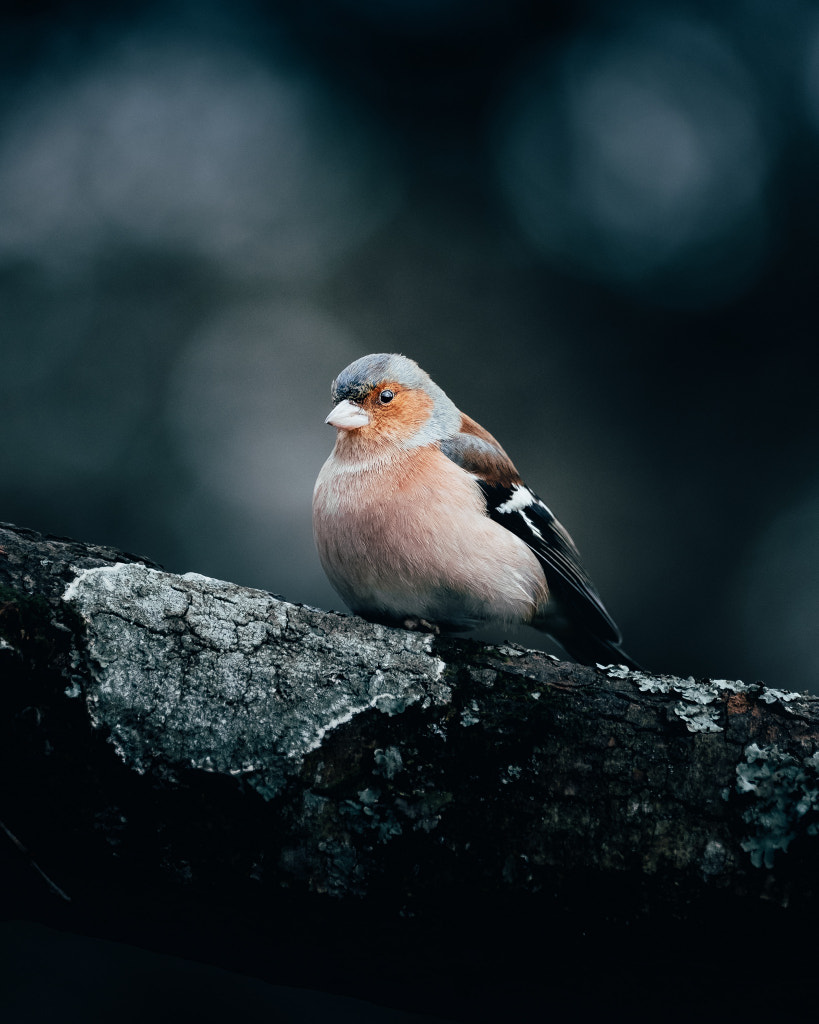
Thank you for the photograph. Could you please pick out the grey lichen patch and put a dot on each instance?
(388, 762)
(370, 814)
(700, 701)
(697, 705)
(509, 651)
(783, 697)
(716, 858)
(193, 671)
(470, 715)
(785, 804)
(616, 671)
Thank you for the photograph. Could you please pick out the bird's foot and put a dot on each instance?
(422, 626)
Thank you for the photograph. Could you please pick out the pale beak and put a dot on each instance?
(348, 416)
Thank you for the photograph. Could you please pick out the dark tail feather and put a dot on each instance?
(589, 649)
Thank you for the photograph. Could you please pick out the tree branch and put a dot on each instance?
(181, 735)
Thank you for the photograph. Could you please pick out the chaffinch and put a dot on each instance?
(421, 520)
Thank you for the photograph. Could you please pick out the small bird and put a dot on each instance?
(421, 520)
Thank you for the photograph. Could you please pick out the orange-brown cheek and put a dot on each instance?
(407, 412)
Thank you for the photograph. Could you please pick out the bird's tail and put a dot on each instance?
(589, 649)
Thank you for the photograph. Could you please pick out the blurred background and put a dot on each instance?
(595, 225)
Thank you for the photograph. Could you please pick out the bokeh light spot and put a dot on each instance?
(195, 148)
(636, 156)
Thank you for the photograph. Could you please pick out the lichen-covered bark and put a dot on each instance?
(384, 755)
(189, 671)
(181, 734)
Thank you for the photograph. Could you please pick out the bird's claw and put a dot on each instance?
(422, 626)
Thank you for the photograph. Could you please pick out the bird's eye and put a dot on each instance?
(386, 396)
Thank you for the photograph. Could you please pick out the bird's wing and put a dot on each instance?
(513, 505)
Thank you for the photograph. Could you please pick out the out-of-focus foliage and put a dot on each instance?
(595, 226)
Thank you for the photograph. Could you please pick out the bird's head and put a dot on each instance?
(387, 399)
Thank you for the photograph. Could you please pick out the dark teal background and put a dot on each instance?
(595, 225)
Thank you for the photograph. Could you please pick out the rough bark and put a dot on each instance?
(183, 748)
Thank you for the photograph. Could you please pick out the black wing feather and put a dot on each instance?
(567, 580)
(576, 615)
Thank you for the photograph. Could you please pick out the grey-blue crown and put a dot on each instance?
(358, 379)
